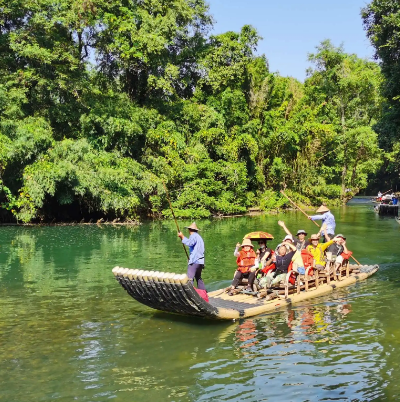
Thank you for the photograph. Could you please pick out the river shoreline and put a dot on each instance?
(250, 212)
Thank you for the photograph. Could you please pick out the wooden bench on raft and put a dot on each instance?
(312, 278)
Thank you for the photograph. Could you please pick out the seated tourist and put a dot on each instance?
(264, 255)
(288, 239)
(246, 265)
(339, 251)
(298, 264)
(318, 249)
(301, 242)
(282, 261)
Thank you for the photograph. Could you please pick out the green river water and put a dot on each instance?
(69, 332)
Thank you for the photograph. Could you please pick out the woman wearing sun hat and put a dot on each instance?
(245, 260)
(301, 243)
(317, 250)
(328, 219)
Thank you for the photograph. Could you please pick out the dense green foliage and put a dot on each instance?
(382, 23)
(101, 102)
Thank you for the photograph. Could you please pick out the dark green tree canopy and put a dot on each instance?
(101, 102)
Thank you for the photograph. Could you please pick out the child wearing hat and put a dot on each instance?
(245, 260)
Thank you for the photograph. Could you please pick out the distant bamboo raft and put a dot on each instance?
(174, 293)
(386, 209)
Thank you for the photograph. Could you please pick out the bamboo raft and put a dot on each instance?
(174, 293)
(386, 209)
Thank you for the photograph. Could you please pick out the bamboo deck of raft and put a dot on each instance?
(175, 294)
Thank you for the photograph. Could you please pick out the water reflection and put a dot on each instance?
(69, 332)
(305, 353)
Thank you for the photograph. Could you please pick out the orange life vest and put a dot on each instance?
(270, 268)
(308, 260)
(245, 260)
(346, 256)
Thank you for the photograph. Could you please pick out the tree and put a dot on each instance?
(349, 89)
(151, 47)
(382, 23)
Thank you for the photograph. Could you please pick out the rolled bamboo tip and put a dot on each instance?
(120, 270)
(139, 274)
(130, 273)
(134, 273)
(126, 272)
(184, 279)
(176, 278)
(115, 270)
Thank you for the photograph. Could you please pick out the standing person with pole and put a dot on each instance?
(328, 219)
(196, 258)
(309, 217)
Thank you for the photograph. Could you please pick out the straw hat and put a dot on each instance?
(340, 235)
(193, 226)
(247, 242)
(314, 237)
(322, 209)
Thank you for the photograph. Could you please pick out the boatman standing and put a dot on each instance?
(196, 258)
(328, 220)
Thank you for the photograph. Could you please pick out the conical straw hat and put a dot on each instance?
(193, 226)
(247, 242)
(322, 209)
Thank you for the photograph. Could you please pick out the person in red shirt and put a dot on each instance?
(245, 260)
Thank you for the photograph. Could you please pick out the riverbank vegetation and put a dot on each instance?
(102, 102)
(382, 24)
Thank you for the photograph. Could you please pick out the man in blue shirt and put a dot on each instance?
(328, 220)
(196, 258)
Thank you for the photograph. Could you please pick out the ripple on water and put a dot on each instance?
(69, 332)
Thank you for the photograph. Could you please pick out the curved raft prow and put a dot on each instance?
(164, 291)
(174, 293)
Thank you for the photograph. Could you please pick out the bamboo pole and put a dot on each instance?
(292, 202)
(173, 214)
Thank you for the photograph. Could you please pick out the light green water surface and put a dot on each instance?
(69, 332)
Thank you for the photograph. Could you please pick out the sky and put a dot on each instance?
(291, 29)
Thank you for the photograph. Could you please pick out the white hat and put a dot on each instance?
(288, 237)
(247, 242)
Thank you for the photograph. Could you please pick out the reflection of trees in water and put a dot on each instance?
(54, 257)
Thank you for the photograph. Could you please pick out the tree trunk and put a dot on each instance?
(344, 174)
(344, 171)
